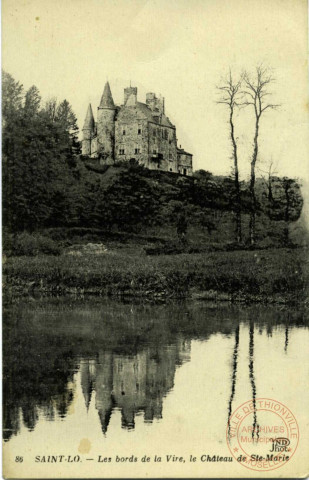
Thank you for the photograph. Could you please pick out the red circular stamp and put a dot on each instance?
(262, 434)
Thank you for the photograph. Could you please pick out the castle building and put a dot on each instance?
(134, 130)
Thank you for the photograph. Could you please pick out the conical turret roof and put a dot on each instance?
(86, 382)
(107, 99)
(89, 120)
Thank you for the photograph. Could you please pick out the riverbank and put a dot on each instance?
(263, 276)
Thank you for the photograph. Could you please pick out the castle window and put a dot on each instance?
(121, 151)
(139, 131)
(137, 150)
(170, 142)
(154, 151)
(123, 132)
(154, 132)
(170, 156)
(171, 169)
(166, 135)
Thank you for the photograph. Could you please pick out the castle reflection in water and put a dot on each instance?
(121, 357)
(132, 384)
(44, 385)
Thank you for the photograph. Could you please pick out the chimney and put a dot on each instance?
(154, 103)
(130, 96)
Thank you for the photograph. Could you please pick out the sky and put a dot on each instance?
(181, 49)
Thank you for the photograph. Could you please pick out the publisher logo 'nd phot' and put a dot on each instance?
(262, 434)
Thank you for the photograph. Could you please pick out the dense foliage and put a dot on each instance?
(47, 183)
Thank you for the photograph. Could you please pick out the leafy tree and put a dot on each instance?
(50, 108)
(12, 97)
(129, 202)
(182, 226)
(68, 121)
(32, 102)
(286, 203)
(35, 170)
(36, 150)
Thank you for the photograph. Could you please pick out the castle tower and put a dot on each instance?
(88, 131)
(106, 125)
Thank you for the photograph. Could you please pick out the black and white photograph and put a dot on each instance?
(155, 239)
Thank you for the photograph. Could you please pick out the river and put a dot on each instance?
(93, 377)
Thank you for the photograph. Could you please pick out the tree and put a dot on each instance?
(36, 173)
(129, 203)
(36, 153)
(67, 119)
(255, 93)
(12, 97)
(32, 102)
(287, 203)
(50, 108)
(268, 176)
(182, 226)
(230, 96)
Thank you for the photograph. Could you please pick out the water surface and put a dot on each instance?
(132, 378)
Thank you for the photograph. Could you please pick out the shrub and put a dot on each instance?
(33, 244)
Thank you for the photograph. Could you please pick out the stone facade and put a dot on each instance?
(134, 130)
(184, 162)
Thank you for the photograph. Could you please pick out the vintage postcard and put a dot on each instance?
(155, 239)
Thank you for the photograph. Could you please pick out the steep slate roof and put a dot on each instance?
(154, 117)
(89, 120)
(107, 98)
(166, 121)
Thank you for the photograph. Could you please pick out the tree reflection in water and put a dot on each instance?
(234, 373)
(255, 426)
(126, 353)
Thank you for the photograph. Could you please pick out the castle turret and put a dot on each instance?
(88, 131)
(86, 382)
(106, 125)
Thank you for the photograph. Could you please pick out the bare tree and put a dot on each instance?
(255, 92)
(230, 96)
(267, 175)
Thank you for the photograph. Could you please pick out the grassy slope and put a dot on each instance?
(264, 275)
(268, 233)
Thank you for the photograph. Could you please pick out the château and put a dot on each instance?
(134, 130)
